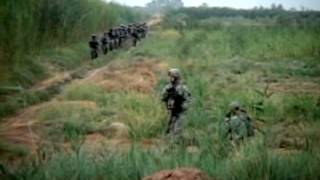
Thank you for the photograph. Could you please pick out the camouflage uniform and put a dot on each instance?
(94, 46)
(105, 43)
(177, 98)
(238, 124)
(112, 38)
(123, 34)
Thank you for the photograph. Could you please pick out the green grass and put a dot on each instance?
(42, 24)
(219, 66)
(256, 163)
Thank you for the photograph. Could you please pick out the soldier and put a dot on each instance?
(105, 43)
(116, 35)
(238, 124)
(144, 27)
(94, 46)
(111, 39)
(123, 34)
(135, 35)
(177, 97)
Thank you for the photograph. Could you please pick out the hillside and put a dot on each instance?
(110, 123)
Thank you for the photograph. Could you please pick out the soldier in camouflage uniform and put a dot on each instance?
(105, 43)
(94, 46)
(177, 97)
(112, 39)
(238, 124)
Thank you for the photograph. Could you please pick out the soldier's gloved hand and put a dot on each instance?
(170, 104)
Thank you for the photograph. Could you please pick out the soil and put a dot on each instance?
(179, 174)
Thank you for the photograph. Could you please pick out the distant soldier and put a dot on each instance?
(111, 38)
(135, 35)
(238, 124)
(123, 34)
(94, 46)
(105, 43)
(177, 97)
(116, 36)
(144, 28)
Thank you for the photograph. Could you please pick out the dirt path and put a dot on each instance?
(25, 127)
(22, 128)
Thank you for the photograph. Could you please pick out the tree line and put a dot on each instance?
(276, 13)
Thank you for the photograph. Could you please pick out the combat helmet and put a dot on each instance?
(174, 72)
(235, 105)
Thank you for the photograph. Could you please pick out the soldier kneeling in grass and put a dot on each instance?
(238, 124)
(177, 97)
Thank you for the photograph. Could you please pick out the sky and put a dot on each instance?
(244, 4)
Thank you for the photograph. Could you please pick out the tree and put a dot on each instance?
(204, 5)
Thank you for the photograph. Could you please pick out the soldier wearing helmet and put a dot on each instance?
(177, 97)
(238, 123)
(94, 46)
(105, 43)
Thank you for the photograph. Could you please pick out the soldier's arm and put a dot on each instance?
(187, 98)
(165, 94)
(226, 129)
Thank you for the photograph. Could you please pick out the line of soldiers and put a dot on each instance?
(115, 38)
(237, 124)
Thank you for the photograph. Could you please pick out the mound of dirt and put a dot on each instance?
(296, 87)
(94, 143)
(115, 137)
(148, 144)
(179, 174)
(97, 143)
(24, 128)
(117, 130)
(291, 85)
(138, 77)
(288, 136)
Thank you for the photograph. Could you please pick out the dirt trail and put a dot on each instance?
(67, 76)
(55, 80)
(25, 128)
(22, 128)
(138, 76)
(156, 20)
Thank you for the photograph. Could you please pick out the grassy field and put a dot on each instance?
(274, 72)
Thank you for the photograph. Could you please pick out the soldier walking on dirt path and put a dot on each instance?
(105, 43)
(94, 46)
(177, 98)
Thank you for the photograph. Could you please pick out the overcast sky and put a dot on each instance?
(309, 4)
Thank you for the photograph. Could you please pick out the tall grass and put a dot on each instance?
(219, 66)
(32, 25)
(256, 163)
